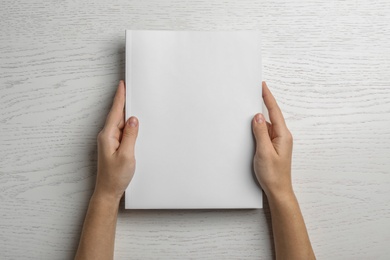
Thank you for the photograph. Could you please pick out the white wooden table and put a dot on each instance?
(327, 62)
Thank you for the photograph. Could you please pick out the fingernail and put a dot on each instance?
(132, 122)
(259, 118)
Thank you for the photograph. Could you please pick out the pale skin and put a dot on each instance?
(272, 165)
(116, 167)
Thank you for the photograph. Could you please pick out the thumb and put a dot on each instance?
(260, 131)
(129, 136)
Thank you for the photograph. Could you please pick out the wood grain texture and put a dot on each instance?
(327, 62)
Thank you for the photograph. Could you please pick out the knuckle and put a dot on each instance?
(128, 157)
(100, 136)
(261, 133)
(289, 137)
(263, 130)
(128, 134)
(258, 156)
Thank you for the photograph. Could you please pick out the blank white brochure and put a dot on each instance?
(195, 94)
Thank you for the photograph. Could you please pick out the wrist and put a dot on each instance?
(280, 195)
(105, 198)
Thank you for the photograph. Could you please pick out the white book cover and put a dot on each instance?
(195, 94)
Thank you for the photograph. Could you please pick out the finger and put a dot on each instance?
(275, 114)
(116, 116)
(260, 131)
(269, 127)
(129, 136)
